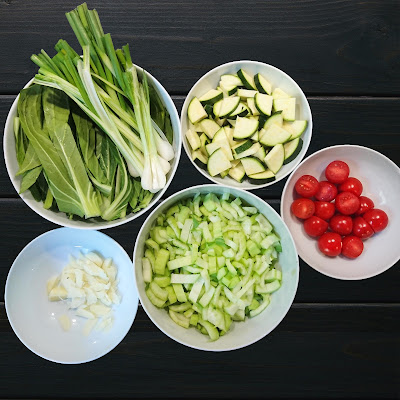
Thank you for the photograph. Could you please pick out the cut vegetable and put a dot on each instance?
(218, 162)
(244, 128)
(296, 128)
(262, 85)
(263, 103)
(274, 135)
(226, 106)
(211, 97)
(196, 111)
(262, 177)
(193, 139)
(292, 149)
(247, 79)
(252, 165)
(287, 106)
(274, 159)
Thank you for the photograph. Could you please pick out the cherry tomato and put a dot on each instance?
(347, 203)
(341, 224)
(315, 226)
(303, 208)
(326, 192)
(361, 228)
(352, 246)
(365, 204)
(377, 219)
(306, 186)
(330, 243)
(324, 210)
(352, 185)
(337, 172)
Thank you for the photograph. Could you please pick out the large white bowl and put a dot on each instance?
(61, 218)
(34, 318)
(381, 181)
(277, 78)
(242, 333)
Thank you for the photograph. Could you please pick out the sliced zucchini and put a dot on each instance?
(193, 139)
(252, 106)
(197, 128)
(235, 163)
(274, 159)
(220, 135)
(220, 140)
(243, 147)
(245, 93)
(232, 80)
(203, 140)
(196, 111)
(224, 173)
(296, 128)
(252, 165)
(279, 94)
(220, 121)
(228, 90)
(229, 135)
(262, 177)
(209, 127)
(212, 147)
(262, 85)
(249, 152)
(263, 103)
(244, 128)
(232, 122)
(262, 119)
(237, 173)
(273, 135)
(261, 153)
(276, 119)
(199, 158)
(226, 106)
(246, 79)
(218, 162)
(255, 136)
(288, 108)
(292, 149)
(208, 108)
(241, 111)
(211, 97)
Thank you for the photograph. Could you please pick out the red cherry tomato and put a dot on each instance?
(326, 192)
(306, 186)
(347, 203)
(341, 224)
(352, 185)
(324, 210)
(365, 204)
(315, 226)
(377, 219)
(337, 172)
(361, 228)
(352, 246)
(303, 208)
(330, 243)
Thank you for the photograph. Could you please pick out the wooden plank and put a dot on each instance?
(19, 225)
(337, 47)
(337, 120)
(317, 352)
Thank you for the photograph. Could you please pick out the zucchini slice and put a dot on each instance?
(203, 140)
(229, 90)
(218, 162)
(274, 119)
(274, 135)
(262, 177)
(209, 127)
(246, 79)
(263, 103)
(208, 108)
(252, 165)
(193, 139)
(196, 111)
(261, 153)
(232, 80)
(274, 159)
(246, 93)
(243, 147)
(226, 106)
(296, 128)
(279, 94)
(211, 97)
(241, 111)
(262, 85)
(245, 128)
(292, 149)
(252, 106)
(224, 173)
(229, 135)
(199, 158)
(288, 108)
(249, 152)
(237, 173)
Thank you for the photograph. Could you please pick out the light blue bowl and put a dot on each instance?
(242, 333)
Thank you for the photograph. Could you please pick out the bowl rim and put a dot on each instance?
(285, 188)
(6, 295)
(189, 95)
(219, 188)
(97, 225)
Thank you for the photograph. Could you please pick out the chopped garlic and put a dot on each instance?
(89, 286)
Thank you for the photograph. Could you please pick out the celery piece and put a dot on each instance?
(180, 293)
(181, 307)
(179, 319)
(171, 295)
(154, 299)
(162, 258)
(159, 292)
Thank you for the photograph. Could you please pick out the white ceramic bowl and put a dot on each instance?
(242, 333)
(34, 318)
(277, 78)
(61, 218)
(381, 181)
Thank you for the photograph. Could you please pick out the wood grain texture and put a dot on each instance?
(20, 225)
(336, 120)
(335, 46)
(346, 351)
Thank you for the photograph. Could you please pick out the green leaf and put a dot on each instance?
(31, 160)
(30, 178)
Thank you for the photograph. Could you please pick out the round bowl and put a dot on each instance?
(277, 78)
(381, 181)
(34, 318)
(241, 334)
(61, 218)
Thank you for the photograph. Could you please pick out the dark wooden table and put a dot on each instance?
(340, 339)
